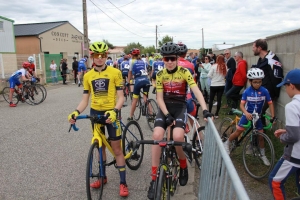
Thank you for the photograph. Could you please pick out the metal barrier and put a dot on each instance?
(218, 177)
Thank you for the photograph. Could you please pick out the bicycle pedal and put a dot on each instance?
(135, 157)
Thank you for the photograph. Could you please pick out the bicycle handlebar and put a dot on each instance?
(265, 127)
(102, 118)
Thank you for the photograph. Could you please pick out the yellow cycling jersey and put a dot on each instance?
(174, 85)
(102, 86)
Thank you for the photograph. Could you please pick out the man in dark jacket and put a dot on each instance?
(75, 69)
(231, 66)
(269, 63)
(238, 81)
(64, 67)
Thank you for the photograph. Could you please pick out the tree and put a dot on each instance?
(110, 45)
(148, 50)
(133, 45)
(165, 39)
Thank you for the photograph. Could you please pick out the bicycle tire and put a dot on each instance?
(5, 94)
(174, 174)
(35, 96)
(160, 183)
(138, 110)
(150, 117)
(132, 132)
(253, 164)
(91, 167)
(195, 143)
(44, 90)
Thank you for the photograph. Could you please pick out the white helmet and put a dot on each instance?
(30, 59)
(255, 73)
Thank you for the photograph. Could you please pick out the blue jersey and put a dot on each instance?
(124, 67)
(120, 60)
(157, 66)
(17, 74)
(109, 63)
(138, 68)
(255, 99)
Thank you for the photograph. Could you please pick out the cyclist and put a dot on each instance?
(158, 65)
(81, 68)
(31, 68)
(171, 84)
(14, 80)
(120, 60)
(252, 101)
(124, 67)
(104, 84)
(138, 69)
(109, 61)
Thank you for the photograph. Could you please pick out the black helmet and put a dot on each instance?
(74, 57)
(182, 48)
(169, 48)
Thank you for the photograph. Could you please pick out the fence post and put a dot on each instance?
(2, 67)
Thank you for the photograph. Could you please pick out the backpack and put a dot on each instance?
(276, 66)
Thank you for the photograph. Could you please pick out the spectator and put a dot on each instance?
(239, 80)
(231, 67)
(64, 68)
(53, 67)
(204, 68)
(217, 74)
(289, 163)
(269, 63)
(75, 69)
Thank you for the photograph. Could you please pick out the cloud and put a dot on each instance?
(227, 21)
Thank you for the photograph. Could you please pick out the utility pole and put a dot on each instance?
(85, 30)
(155, 38)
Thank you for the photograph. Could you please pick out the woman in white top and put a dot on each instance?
(204, 69)
(217, 74)
(53, 67)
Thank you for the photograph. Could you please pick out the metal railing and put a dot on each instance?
(218, 177)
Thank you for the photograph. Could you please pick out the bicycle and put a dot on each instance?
(127, 92)
(94, 169)
(251, 151)
(167, 172)
(148, 109)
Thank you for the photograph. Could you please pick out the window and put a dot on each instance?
(1, 26)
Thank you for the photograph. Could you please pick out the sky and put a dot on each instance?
(124, 21)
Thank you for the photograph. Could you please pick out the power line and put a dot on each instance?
(98, 22)
(116, 22)
(126, 14)
(123, 5)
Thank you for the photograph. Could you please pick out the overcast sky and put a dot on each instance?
(230, 21)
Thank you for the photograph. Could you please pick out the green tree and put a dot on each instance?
(110, 45)
(133, 45)
(149, 49)
(165, 39)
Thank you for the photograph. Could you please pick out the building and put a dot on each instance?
(7, 37)
(217, 47)
(48, 38)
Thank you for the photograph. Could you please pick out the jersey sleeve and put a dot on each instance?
(86, 85)
(159, 83)
(188, 77)
(268, 97)
(119, 80)
(244, 96)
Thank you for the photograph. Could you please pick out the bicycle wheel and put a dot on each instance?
(93, 173)
(197, 144)
(138, 110)
(132, 133)
(174, 174)
(161, 185)
(254, 162)
(44, 90)
(151, 112)
(5, 94)
(34, 93)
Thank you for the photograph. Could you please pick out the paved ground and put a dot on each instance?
(41, 160)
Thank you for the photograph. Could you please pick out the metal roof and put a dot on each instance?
(36, 28)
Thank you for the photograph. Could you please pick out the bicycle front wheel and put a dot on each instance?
(34, 94)
(227, 127)
(197, 144)
(258, 155)
(5, 94)
(44, 91)
(151, 112)
(161, 189)
(93, 173)
(132, 133)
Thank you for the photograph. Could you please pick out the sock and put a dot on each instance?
(262, 151)
(153, 174)
(104, 168)
(122, 172)
(182, 163)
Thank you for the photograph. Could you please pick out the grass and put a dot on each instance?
(290, 186)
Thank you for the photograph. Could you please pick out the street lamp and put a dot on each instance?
(156, 37)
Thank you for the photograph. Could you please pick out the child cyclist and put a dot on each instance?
(289, 163)
(252, 101)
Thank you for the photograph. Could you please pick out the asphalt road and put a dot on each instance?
(39, 159)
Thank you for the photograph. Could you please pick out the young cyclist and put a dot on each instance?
(31, 68)
(171, 84)
(104, 84)
(158, 65)
(124, 67)
(14, 80)
(81, 68)
(138, 69)
(109, 61)
(252, 101)
(289, 163)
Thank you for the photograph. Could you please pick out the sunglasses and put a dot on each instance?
(99, 55)
(166, 59)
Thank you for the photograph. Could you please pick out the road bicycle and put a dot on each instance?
(95, 164)
(252, 150)
(30, 94)
(127, 92)
(168, 169)
(148, 109)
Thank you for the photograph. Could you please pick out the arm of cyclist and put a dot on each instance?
(201, 101)
(272, 111)
(243, 109)
(23, 78)
(113, 113)
(161, 103)
(80, 108)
